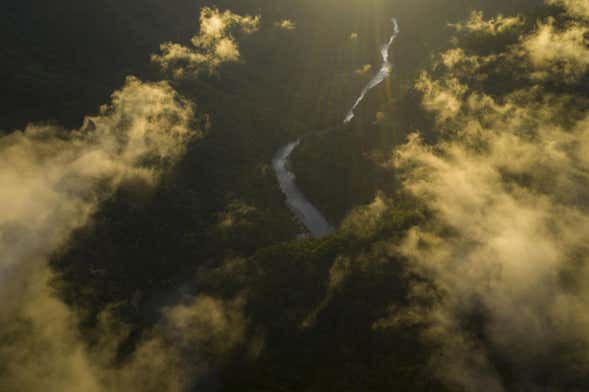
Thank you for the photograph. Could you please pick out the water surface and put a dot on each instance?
(305, 211)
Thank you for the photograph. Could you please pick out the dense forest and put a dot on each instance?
(203, 279)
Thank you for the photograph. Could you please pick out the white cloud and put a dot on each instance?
(51, 180)
(286, 24)
(214, 45)
(579, 8)
(493, 26)
(558, 52)
(503, 258)
(442, 97)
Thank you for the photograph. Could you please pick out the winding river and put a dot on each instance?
(305, 211)
(309, 215)
(381, 75)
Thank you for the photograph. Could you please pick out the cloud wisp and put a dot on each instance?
(494, 26)
(381, 75)
(286, 24)
(558, 52)
(215, 44)
(52, 180)
(503, 260)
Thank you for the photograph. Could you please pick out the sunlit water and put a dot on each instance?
(307, 213)
(315, 223)
(381, 75)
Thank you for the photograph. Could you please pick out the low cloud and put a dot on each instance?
(502, 261)
(443, 97)
(286, 24)
(559, 52)
(43, 350)
(551, 51)
(494, 26)
(364, 221)
(463, 64)
(577, 8)
(338, 274)
(52, 180)
(508, 225)
(214, 45)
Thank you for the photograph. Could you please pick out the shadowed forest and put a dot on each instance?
(145, 244)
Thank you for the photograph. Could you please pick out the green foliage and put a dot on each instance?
(218, 224)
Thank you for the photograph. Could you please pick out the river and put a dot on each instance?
(306, 212)
(309, 215)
